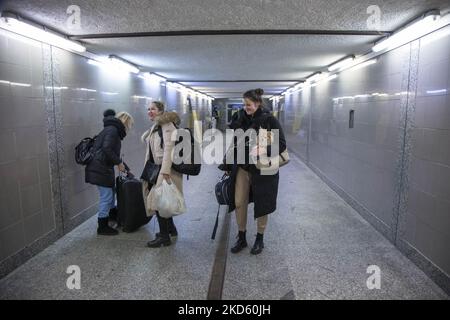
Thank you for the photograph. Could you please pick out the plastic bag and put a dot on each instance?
(167, 199)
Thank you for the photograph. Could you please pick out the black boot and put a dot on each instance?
(259, 244)
(172, 229)
(241, 243)
(104, 229)
(113, 214)
(162, 238)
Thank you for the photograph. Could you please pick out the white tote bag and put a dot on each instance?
(167, 199)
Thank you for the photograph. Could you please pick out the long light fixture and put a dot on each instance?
(363, 64)
(341, 63)
(122, 64)
(157, 77)
(152, 77)
(14, 23)
(428, 23)
(316, 76)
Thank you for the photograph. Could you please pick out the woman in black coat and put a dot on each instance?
(249, 184)
(100, 171)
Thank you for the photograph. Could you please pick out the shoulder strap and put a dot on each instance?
(160, 133)
(267, 120)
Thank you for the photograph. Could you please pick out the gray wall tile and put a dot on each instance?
(33, 228)
(7, 141)
(12, 240)
(10, 210)
(31, 200)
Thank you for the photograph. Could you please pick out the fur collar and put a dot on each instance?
(168, 117)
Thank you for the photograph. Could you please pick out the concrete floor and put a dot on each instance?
(317, 247)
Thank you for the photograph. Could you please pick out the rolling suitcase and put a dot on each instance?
(131, 213)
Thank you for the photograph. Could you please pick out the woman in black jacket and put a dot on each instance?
(100, 171)
(249, 184)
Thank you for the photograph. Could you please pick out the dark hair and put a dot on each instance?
(109, 112)
(159, 105)
(254, 95)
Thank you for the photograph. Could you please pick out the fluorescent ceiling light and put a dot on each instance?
(122, 64)
(334, 76)
(152, 77)
(159, 78)
(364, 64)
(15, 24)
(314, 77)
(105, 64)
(341, 63)
(415, 30)
(319, 76)
(96, 63)
(321, 80)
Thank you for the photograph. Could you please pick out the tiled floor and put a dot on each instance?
(317, 247)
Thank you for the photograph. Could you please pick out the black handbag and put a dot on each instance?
(223, 190)
(223, 196)
(151, 170)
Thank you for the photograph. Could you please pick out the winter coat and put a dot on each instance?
(161, 152)
(100, 171)
(264, 188)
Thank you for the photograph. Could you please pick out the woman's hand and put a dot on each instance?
(167, 178)
(121, 167)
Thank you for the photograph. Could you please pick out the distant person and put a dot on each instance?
(100, 171)
(159, 147)
(247, 177)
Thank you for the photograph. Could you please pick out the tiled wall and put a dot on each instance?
(296, 121)
(26, 209)
(361, 160)
(426, 224)
(61, 100)
(393, 166)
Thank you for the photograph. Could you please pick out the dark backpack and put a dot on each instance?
(191, 168)
(84, 152)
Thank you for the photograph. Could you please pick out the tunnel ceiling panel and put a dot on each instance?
(113, 16)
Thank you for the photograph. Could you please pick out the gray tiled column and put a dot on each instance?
(54, 136)
(409, 85)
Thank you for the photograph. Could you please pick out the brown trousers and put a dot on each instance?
(241, 198)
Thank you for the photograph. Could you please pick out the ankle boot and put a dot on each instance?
(104, 229)
(162, 238)
(113, 214)
(172, 229)
(259, 244)
(241, 243)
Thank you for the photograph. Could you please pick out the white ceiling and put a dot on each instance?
(226, 57)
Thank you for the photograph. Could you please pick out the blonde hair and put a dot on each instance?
(126, 119)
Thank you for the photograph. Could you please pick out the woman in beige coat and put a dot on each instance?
(158, 141)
